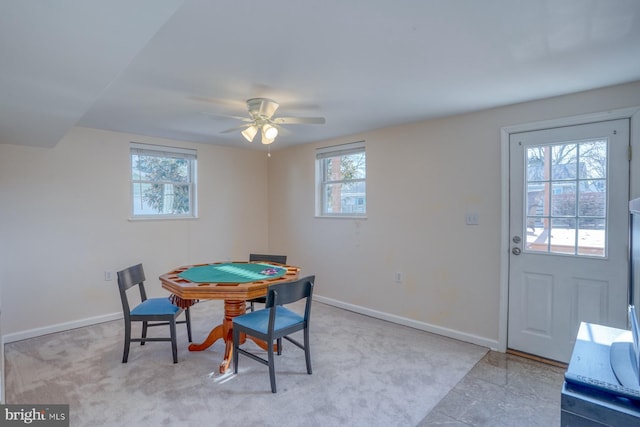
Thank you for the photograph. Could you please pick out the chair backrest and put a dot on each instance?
(286, 293)
(128, 278)
(280, 259)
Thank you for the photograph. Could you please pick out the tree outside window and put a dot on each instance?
(162, 182)
(342, 180)
(567, 198)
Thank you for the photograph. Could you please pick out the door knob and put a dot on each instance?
(516, 251)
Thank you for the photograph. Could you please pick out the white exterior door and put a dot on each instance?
(568, 192)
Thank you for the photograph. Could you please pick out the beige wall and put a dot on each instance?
(64, 221)
(422, 179)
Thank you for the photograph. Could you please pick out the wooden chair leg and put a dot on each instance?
(236, 340)
(144, 332)
(307, 350)
(174, 342)
(127, 342)
(272, 368)
(187, 315)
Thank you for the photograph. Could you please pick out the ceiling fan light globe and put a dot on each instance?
(268, 136)
(250, 133)
(270, 132)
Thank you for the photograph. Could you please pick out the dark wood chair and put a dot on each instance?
(150, 311)
(278, 259)
(275, 322)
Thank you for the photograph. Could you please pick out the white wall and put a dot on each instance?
(422, 179)
(64, 221)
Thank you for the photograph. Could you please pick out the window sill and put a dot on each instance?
(177, 218)
(340, 217)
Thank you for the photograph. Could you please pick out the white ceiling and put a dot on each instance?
(155, 67)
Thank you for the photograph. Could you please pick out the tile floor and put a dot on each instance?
(502, 390)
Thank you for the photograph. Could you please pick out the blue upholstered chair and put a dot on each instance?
(151, 312)
(275, 322)
(278, 259)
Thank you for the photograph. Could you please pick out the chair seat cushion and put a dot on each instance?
(155, 306)
(259, 320)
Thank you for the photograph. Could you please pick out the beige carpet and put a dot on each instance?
(366, 372)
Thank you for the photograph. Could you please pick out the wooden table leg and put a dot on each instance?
(224, 331)
(215, 334)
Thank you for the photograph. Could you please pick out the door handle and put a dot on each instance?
(516, 251)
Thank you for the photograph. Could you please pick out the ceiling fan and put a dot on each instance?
(261, 111)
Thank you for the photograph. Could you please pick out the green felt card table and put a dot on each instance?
(233, 282)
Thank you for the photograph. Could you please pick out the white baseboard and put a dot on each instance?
(60, 327)
(450, 333)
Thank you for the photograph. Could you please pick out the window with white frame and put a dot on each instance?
(163, 181)
(341, 174)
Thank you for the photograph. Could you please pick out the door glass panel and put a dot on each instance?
(567, 198)
(593, 194)
(537, 167)
(563, 198)
(590, 236)
(563, 161)
(593, 160)
(562, 237)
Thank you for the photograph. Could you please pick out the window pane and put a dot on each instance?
(591, 234)
(563, 198)
(152, 168)
(350, 166)
(535, 199)
(136, 172)
(593, 160)
(535, 206)
(160, 199)
(564, 164)
(563, 236)
(341, 180)
(566, 210)
(346, 198)
(162, 182)
(593, 198)
(537, 235)
(537, 168)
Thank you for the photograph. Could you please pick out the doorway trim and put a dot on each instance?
(632, 113)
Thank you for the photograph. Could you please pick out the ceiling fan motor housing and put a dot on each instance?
(262, 108)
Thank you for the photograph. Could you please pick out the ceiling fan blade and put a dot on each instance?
(281, 130)
(226, 103)
(226, 116)
(237, 128)
(299, 120)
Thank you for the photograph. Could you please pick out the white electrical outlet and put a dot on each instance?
(107, 276)
(473, 218)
